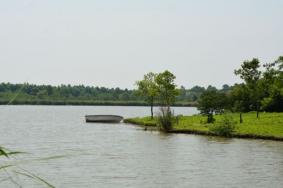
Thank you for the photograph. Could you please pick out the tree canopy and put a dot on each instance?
(159, 86)
(212, 102)
(148, 89)
(166, 87)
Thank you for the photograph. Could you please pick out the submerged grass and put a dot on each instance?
(267, 126)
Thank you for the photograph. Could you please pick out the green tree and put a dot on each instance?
(148, 89)
(272, 84)
(167, 89)
(251, 74)
(41, 94)
(182, 94)
(211, 102)
(226, 88)
(240, 99)
(167, 92)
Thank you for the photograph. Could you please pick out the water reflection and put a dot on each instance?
(217, 139)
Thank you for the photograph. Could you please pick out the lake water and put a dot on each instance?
(120, 155)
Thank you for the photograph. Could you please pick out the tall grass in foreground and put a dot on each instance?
(12, 171)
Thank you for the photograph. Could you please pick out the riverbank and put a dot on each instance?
(268, 126)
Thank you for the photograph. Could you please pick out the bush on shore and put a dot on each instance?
(225, 127)
(165, 119)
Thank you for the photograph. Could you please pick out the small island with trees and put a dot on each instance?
(252, 109)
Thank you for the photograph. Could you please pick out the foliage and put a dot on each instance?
(273, 86)
(82, 95)
(148, 89)
(17, 171)
(158, 85)
(240, 98)
(212, 102)
(262, 90)
(166, 88)
(251, 74)
(225, 127)
(165, 119)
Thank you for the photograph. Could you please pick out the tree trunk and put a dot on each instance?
(241, 118)
(257, 110)
(151, 109)
(210, 118)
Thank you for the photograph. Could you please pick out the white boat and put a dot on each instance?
(103, 118)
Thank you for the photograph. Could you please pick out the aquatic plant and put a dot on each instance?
(12, 170)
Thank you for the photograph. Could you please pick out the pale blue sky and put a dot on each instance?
(113, 43)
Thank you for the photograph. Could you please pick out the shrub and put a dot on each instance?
(226, 127)
(165, 119)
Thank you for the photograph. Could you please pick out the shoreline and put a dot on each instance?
(195, 131)
(244, 136)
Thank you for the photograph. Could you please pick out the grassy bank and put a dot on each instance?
(268, 126)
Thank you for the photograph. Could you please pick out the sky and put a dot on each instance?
(114, 43)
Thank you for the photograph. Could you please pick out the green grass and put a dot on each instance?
(268, 126)
(146, 121)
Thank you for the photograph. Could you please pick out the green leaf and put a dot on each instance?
(3, 152)
(6, 166)
(35, 177)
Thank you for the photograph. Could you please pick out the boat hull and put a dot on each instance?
(103, 118)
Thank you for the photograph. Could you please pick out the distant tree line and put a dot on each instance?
(88, 95)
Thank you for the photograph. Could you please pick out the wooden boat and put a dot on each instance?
(103, 118)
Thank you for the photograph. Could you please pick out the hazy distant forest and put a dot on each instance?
(87, 95)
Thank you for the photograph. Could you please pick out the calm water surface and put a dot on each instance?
(120, 155)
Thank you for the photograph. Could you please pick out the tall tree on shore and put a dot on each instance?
(167, 93)
(240, 99)
(148, 89)
(251, 74)
(166, 88)
(272, 82)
